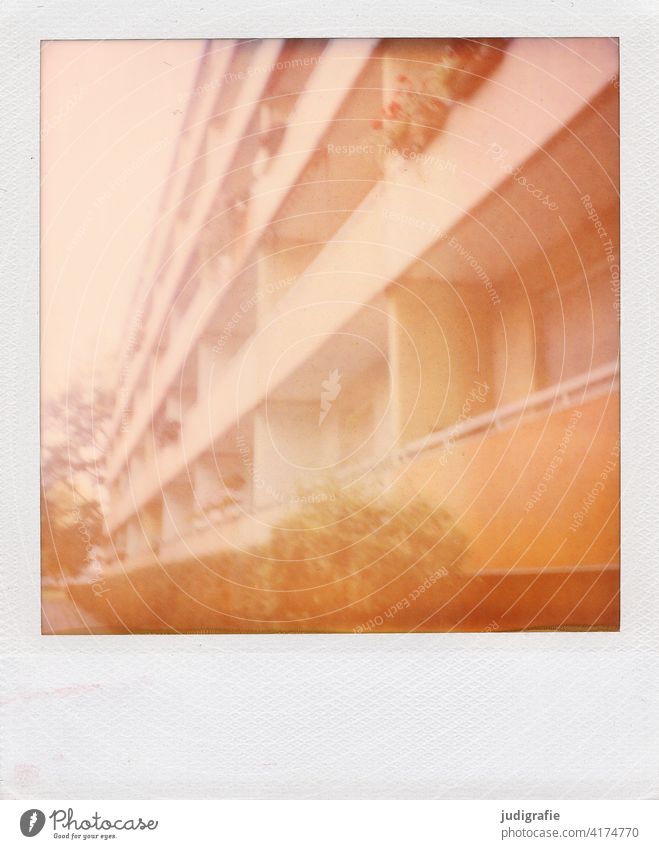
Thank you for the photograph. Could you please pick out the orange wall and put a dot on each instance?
(516, 492)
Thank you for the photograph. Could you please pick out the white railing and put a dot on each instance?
(573, 392)
(569, 393)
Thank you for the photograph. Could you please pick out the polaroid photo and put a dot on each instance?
(330, 335)
(324, 479)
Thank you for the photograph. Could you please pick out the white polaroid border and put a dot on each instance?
(532, 715)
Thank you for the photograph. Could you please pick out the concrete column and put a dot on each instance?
(134, 538)
(515, 350)
(151, 518)
(176, 513)
(282, 450)
(206, 480)
(438, 354)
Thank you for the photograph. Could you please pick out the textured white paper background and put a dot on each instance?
(492, 715)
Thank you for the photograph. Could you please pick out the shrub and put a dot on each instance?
(344, 559)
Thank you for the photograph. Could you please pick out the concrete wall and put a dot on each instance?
(544, 492)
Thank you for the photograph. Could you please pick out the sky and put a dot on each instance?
(111, 115)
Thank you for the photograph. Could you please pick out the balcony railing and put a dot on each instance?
(569, 393)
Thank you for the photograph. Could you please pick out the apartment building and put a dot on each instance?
(389, 258)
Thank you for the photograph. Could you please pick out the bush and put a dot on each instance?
(344, 560)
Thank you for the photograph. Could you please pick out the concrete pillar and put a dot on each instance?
(438, 354)
(284, 447)
(515, 350)
(134, 540)
(177, 511)
(142, 532)
(151, 518)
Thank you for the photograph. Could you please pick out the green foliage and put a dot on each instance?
(332, 564)
(74, 433)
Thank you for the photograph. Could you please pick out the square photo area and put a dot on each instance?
(330, 336)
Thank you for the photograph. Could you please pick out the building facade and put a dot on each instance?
(391, 258)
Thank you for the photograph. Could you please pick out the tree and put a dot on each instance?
(74, 436)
